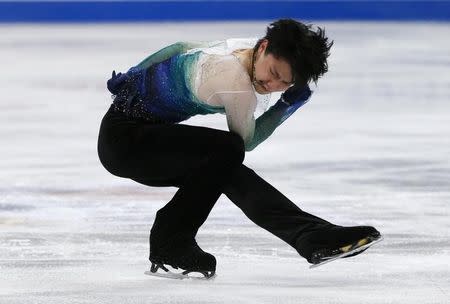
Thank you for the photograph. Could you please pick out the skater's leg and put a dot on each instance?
(208, 159)
(196, 159)
(269, 208)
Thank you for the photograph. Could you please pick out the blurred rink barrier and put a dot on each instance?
(211, 10)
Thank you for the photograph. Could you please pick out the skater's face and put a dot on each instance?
(271, 74)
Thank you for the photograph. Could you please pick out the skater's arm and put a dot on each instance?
(239, 100)
(240, 108)
(167, 52)
(116, 82)
(240, 119)
(224, 82)
(267, 123)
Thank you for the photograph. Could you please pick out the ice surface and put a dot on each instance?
(372, 147)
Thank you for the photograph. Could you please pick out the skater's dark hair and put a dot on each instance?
(304, 49)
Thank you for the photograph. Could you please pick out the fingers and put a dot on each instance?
(116, 81)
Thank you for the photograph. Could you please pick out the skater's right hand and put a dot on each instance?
(115, 83)
(296, 94)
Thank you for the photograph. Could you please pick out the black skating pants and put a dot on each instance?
(202, 163)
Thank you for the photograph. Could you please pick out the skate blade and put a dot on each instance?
(364, 245)
(177, 274)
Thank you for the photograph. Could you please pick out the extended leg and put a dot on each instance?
(312, 237)
(269, 208)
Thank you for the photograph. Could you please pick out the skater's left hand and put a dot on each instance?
(296, 94)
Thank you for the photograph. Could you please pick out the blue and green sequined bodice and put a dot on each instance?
(163, 91)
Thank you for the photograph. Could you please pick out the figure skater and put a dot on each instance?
(142, 138)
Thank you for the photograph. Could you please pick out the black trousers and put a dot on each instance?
(203, 163)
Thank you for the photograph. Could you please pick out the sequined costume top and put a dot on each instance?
(187, 79)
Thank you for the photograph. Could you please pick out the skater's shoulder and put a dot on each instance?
(225, 72)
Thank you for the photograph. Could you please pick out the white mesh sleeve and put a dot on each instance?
(239, 109)
(223, 81)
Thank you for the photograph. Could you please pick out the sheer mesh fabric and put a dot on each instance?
(221, 80)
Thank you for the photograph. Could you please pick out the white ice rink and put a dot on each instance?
(372, 147)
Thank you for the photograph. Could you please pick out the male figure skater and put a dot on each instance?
(142, 138)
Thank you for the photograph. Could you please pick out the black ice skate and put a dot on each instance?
(336, 242)
(180, 258)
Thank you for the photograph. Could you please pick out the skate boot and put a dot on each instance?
(335, 242)
(180, 257)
